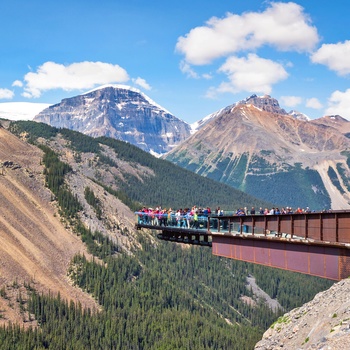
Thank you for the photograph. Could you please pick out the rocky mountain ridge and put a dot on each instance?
(265, 103)
(255, 146)
(119, 112)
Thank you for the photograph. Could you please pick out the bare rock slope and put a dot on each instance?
(323, 323)
(35, 247)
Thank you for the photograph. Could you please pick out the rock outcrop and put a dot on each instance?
(323, 323)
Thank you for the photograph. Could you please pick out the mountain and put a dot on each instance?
(67, 235)
(262, 102)
(259, 148)
(120, 112)
(337, 122)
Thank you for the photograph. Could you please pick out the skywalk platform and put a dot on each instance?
(312, 243)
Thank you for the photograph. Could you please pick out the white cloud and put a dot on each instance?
(251, 74)
(142, 82)
(17, 83)
(191, 73)
(334, 56)
(339, 104)
(291, 101)
(186, 69)
(6, 94)
(282, 25)
(314, 103)
(80, 76)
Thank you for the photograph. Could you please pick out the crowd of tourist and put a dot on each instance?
(272, 211)
(187, 217)
(195, 217)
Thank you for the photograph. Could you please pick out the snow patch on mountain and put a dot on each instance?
(200, 123)
(126, 87)
(299, 115)
(120, 112)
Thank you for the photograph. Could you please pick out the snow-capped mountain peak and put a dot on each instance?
(120, 112)
(130, 88)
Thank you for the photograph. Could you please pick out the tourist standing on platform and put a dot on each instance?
(195, 220)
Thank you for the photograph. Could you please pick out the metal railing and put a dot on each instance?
(328, 227)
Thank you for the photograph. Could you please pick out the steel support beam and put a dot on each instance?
(323, 260)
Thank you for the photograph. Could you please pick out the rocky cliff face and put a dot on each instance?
(35, 246)
(257, 147)
(119, 112)
(323, 323)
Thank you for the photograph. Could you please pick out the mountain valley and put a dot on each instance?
(67, 229)
(118, 271)
(253, 145)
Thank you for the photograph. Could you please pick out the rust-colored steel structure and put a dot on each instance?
(317, 244)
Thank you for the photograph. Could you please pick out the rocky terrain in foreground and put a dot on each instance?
(323, 323)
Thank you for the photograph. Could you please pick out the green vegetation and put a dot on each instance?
(93, 201)
(151, 297)
(32, 130)
(259, 166)
(55, 170)
(343, 174)
(237, 176)
(301, 188)
(171, 185)
(277, 284)
(306, 340)
(335, 180)
(281, 320)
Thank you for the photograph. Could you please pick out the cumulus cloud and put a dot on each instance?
(314, 103)
(6, 94)
(251, 74)
(142, 83)
(81, 75)
(334, 56)
(284, 26)
(339, 104)
(291, 101)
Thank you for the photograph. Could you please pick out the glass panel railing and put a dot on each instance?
(173, 220)
(219, 224)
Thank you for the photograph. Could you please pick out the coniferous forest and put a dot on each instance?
(161, 295)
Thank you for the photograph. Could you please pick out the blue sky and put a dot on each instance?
(191, 57)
